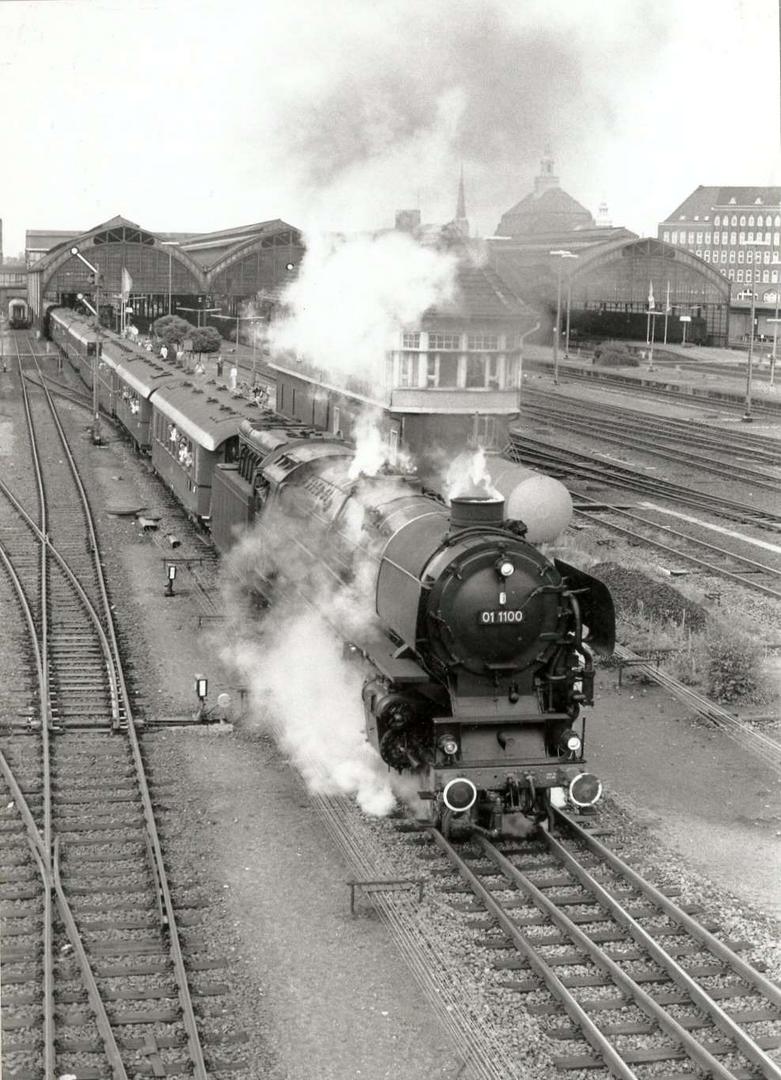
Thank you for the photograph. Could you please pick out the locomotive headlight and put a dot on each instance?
(505, 568)
(570, 743)
(448, 744)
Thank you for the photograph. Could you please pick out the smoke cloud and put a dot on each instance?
(407, 93)
(350, 300)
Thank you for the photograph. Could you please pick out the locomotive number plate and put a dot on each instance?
(499, 617)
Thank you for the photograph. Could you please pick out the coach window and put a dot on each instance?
(741, 255)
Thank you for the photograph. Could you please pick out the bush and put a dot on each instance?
(615, 354)
(172, 329)
(733, 669)
(206, 339)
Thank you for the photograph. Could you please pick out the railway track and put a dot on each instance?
(95, 980)
(590, 467)
(733, 401)
(756, 741)
(681, 546)
(671, 440)
(623, 979)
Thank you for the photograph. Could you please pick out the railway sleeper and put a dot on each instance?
(651, 1054)
(691, 1023)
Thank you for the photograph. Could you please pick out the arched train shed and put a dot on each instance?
(607, 286)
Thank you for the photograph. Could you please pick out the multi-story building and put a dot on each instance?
(738, 231)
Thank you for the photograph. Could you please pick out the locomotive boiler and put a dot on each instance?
(479, 649)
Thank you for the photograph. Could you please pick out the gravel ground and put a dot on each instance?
(320, 992)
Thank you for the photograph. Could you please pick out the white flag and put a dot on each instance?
(651, 304)
(127, 285)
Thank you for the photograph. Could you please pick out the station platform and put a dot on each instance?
(702, 373)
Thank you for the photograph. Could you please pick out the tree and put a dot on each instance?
(205, 339)
(172, 329)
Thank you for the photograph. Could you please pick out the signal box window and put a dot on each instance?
(475, 371)
(476, 342)
(448, 369)
(444, 341)
(407, 369)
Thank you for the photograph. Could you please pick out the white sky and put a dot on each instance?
(199, 115)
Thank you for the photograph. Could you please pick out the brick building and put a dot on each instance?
(738, 231)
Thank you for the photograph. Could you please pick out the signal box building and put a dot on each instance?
(451, 381)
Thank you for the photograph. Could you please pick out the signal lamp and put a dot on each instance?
(459, 795)
(201, 687)
(171, 575)
(505, 568)
(585, 790)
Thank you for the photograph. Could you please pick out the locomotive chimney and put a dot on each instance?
(467, 513)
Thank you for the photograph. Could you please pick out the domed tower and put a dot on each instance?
(548, 209)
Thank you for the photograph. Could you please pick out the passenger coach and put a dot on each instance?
(195, 427)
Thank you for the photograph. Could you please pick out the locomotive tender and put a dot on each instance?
(477, 666)
(477, 647)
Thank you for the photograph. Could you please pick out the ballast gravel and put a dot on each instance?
(317, 990)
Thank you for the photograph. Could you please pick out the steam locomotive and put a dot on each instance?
(477, 648)
(480, 655)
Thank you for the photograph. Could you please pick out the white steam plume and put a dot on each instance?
(351, 298)
(303, 690)
(467, 477)
(309, 698)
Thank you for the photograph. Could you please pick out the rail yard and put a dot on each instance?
(142, 931)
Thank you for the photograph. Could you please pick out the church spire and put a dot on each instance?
(461, 205)
(460, 220)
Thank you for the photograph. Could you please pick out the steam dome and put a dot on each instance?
(542, 503)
